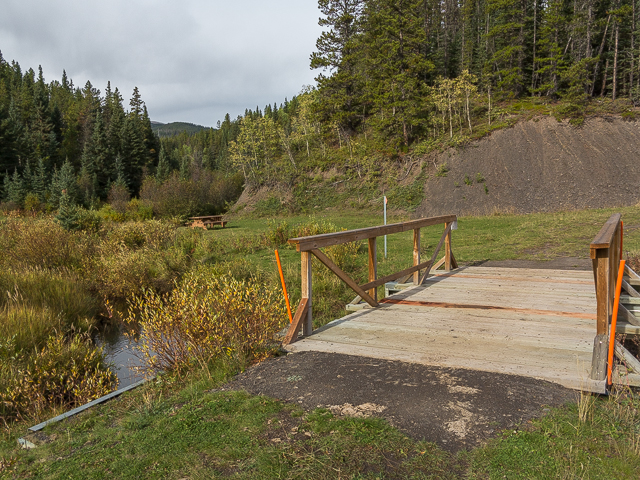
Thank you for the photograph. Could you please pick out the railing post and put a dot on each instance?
(601, 270)
(307, 290)
(606, 252)
(416, 254)
(373, 267)
(447, 250)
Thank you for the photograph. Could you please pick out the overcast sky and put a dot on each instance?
(193, 60)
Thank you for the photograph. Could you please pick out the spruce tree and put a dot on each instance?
(64, 180)
(337, 52)
(394, 37)
(164, 169)
(133, 153)
(40, 180)
(14, 189)
(68, 216)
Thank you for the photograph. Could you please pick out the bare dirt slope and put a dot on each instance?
(540, 165)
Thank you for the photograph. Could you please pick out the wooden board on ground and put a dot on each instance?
(535, 323)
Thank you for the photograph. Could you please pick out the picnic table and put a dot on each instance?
(206, 221)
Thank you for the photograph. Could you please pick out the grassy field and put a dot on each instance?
(184, 427)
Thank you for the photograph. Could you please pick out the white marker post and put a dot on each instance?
(385, 222)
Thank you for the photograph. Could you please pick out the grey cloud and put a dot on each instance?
(193, 61)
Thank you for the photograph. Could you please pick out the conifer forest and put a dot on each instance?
(391, 75)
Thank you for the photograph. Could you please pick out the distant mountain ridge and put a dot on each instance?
(175, 128)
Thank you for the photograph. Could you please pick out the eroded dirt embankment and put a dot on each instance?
(540, 165)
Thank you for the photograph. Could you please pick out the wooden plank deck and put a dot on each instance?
(530, 322)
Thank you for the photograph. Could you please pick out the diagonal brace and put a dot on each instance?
(294, 328)
(344, 277)
(435, 254)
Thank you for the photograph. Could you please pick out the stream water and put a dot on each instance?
(119, 351)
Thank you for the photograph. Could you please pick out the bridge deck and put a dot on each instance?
(530, 322)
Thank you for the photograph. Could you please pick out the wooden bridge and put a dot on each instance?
(532, 322)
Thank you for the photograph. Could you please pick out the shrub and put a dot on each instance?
(207, 317)
(119, 197)
(89, 220)
(133, 235)
(107, 212)
(64, 374)
(139, 210)
(278, 233)
(31, 203)
(203, 193)
(40, 243)
(196, 243)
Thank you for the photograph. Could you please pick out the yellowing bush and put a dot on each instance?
(64, 374)
(207, 317)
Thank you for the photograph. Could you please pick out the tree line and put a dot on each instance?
(385, 62)
(61, 141)
(56, 136)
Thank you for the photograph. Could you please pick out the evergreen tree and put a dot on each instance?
(338, 50)
(133, 153)
(14, 189)
(39, 181)
(63, 180)
(67, 216)
(396, 65)
(164, 169)
(150, 139)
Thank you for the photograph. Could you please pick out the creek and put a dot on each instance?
(118, 347)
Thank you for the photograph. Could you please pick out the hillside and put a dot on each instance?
(175, 128)
(539, 165)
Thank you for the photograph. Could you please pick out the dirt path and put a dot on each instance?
(454, 408)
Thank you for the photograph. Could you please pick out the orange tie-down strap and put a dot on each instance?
(530, 311)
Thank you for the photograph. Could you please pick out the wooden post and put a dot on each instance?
(307, 290)
(603, 273)
(601, 270)
(447, 250)
(615, 255)
(416, 254)
(373, 266)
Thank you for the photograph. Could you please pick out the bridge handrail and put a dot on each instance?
(308, 246)
(304, 244)
(605, 253)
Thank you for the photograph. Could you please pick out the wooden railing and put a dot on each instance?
(606, 253)
(311, 245)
